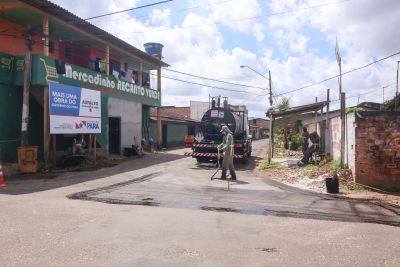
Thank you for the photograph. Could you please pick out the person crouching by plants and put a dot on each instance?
(304, 144)
(315, 147)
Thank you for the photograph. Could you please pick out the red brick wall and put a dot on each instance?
(378, 148)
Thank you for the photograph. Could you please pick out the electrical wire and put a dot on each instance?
(175, 79)
(237, 20)
(129, 9)
(212, 79)
(275, 95)
(215, 87)
(337, 76)
(172, 12)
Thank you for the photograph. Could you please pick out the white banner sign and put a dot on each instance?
(74, 110)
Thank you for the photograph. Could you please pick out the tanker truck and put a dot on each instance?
(236, 118)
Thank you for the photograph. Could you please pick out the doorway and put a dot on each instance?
(164, 135)
(191, 130)
(114, 135)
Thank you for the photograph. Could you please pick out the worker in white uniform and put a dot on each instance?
(228, 147)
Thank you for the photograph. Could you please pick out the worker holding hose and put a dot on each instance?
(228, 147)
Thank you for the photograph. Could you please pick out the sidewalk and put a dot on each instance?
(312, 177)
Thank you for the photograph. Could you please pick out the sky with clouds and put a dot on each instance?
(294, 39)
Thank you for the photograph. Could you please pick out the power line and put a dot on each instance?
(275, 95)
(215, 80)
(238, 20)
(173, 12)
(344, 73)
(180, 80)
(129, 9)
(192, 75)
(215, 87)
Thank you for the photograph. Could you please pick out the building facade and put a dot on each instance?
(46, 45)
(176, 124)
(259, 128)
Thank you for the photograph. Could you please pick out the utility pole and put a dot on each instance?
(270, 147)
(316, 117)
(269, 112)
(397, 87)
(327, 124)
(342, 97)
(27, 82)
(343, 128)
(397, 80)
(383, 93)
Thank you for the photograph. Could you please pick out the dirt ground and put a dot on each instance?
(312, 177)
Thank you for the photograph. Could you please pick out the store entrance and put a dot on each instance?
(114, 135)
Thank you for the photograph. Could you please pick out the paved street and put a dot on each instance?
(163, 210)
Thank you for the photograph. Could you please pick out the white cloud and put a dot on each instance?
(300, 46)
(161, 16)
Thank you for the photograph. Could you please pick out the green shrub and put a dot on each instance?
(278, 137)
(353, 109)
(295, 142)
(357, 187)
(335, 166)
(269, 165)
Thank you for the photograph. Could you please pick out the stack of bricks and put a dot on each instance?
(378, 148)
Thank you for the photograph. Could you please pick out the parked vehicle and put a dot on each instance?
(236, 118)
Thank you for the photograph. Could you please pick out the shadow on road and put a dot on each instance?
(25, 184)
(249, 165)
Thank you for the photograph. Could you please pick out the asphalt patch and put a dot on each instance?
(268, 250)
(141, 191)
(88, 194)
(221, 209)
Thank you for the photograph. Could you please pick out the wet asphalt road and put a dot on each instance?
(187, 185)
(166, 211)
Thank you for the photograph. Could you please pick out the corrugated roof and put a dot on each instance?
(299, 109)
(289, 117)
(68, 17)
(173, 114)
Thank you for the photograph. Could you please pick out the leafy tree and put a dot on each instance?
(284, 103)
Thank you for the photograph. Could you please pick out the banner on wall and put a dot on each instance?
(74, 110)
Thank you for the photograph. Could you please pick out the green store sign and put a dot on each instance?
(45, 71)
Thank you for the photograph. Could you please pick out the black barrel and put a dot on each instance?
(214, 118)
(332, 185)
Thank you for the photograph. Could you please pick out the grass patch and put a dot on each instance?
(335, 166)
(269, 165)
(310, 170)
(357, 187)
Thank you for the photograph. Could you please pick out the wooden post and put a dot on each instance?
(159, 127)
(54, 149)
(327, 124)
(46, 35)
(271, 123)
(107, 60)
(270, 141)
(46, 127)
(316, 117)
(273, 137)
(343, 128)
(89, 145)
(320, 126)
(46, 122)
(140, 78)
(95, 148)
(27, 82)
